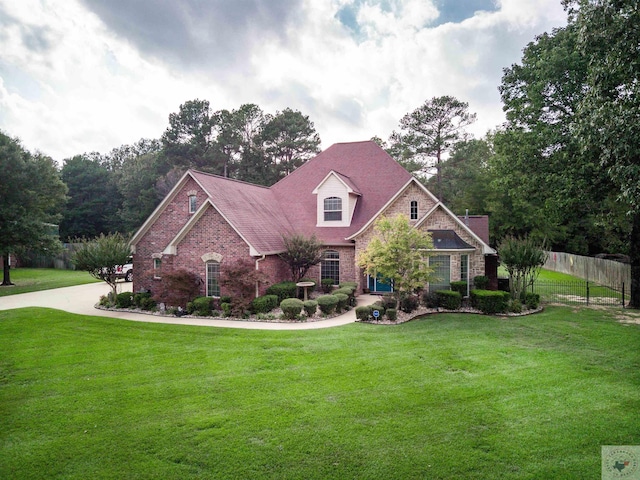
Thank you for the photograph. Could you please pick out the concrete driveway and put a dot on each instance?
(82, 299)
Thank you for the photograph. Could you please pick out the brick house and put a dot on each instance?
(207, 221)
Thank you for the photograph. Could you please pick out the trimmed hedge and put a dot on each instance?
(532, 300)
(392, 314)
(124, 300)
(343, 301)
(291, 307)
(264, 304)
(490, 301)
(310, 307)
(460, 287)
(481, 282)
(283, 290)
(449, 300)
(327, 304)
(327, 284)
(363, 313)
(202, 306)
(430, 299)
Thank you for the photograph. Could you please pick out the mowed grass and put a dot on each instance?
(36, 279)
(450, 396)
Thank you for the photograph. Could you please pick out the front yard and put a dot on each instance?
(452, 396)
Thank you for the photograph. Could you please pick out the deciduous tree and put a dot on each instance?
(301, 253)
(100, 257)
(31, 198)
(398, 253)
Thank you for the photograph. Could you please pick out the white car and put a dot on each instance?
(125, 271)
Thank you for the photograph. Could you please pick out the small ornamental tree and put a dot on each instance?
(399, 253)
(523, 258)
(241, 281)
(101, 256)
(301, 253)
(177, 288)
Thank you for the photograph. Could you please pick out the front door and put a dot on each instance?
(378, 284)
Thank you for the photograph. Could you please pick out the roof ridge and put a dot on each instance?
(229, 179)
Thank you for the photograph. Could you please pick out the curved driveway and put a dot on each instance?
(81, 299)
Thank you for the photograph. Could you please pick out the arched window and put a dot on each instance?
(332, 209)
(414, 210)
(213, 278)
(193, 203)
(330, 266)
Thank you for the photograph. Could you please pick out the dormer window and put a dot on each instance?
(333, 209)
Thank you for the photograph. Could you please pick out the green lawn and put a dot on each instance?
(36, 279)
(451, 396)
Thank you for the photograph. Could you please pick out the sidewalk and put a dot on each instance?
(81, 300)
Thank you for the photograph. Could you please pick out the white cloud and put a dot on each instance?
(69, 83)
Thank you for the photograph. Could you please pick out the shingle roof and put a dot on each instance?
(251, 209)
(370, 171)
(263, 215)
(448, 240)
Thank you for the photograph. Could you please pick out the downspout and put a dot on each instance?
(258, 268)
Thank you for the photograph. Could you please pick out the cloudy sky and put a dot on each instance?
(90, 75)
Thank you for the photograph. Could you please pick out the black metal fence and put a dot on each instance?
(581, 292)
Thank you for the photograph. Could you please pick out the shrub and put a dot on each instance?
(388, 301)
(310, 307)
(343, 301)
(363, 313)
(264, 304)
(409, 303)
(291, 308)
(430, 299)
(147, 303)
(490, 301)
(327, 304)
(532, 300)
(449, 300)
(283, 290)
(460, 287)
(140, 297)
(239, 279)
(124, 300)
(351, 285)
(392, 314)
(225, 299)
(480, 282)
(515, 306)
(177, 288)
(202, 306)
(347, 290)
(327, 284)
(226, 309)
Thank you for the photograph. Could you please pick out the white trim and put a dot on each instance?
(486, 249)
(172, 247)
(390, 202)
(337, 175)
(160, 208)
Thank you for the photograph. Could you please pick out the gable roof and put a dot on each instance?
(262, 215)
(363, 166)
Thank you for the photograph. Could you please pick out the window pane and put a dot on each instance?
(192, 203)
(330, 266)
(213, 279)
(441, 266)
(332, 209)
(414, 210)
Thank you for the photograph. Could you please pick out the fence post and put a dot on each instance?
(587, 292)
